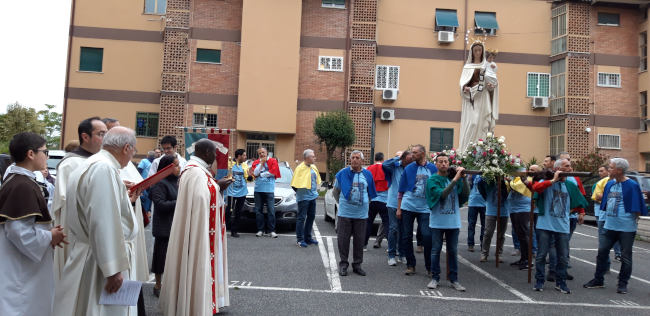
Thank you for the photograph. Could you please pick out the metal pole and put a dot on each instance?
(530, 237)
(499, 179)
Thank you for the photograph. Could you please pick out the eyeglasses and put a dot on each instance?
(45, 151)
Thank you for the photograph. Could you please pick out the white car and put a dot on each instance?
(55, 156)
(332, 208)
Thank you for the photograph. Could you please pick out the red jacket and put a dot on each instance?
(378, 177)
(272, 163)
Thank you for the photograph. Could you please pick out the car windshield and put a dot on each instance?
(645, 186)
(286, 175)
(52, 162)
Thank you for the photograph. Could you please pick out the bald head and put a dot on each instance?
(535, 168)
(206, 150)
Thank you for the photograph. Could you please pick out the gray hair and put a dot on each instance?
(119, 136)
(355, 152)
(620, 163)
(559, 162)
(307, 152)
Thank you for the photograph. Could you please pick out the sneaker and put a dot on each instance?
(274, 235)
(524, 265)
(617, 258)
(483, 258)
(312, 242)
(470, 248)
(563, 288)
(621, 289)
(433, 284)
(569, 277)
(392, 262)
(419, 249)
(259, 234)
(410, 271)
(594, 284)
(301, 244)
(456, 286)
(402, 260)
(539, 286)
(550, 277)
(516, 263)
(515, 253)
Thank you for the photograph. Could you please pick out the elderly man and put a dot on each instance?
(622, 202)
(195, 282)
(306, 180)
(555, 199)
(105, 230)
(91, 133)
(266, 170)
(353, 188)
(393, 170)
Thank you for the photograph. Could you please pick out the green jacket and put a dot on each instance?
(575, 197)
(436, 184)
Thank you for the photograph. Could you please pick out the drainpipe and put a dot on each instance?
(348, 46)
(67, 72)
(465, 30)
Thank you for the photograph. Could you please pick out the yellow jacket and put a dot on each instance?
(600, 188)
(302, 176)
(243, 165)
(519, 186)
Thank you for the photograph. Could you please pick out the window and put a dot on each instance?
(446, 20)
(538, 85)
(557, 130)
(558, 30)
(255, 141)
(607, 141)
(387, 77)
(643, 96)
(204, 120)
(611, 19)
(609, 80)
(330, 63)
(339, 4)
(441, 139)
(558, 86)
(208, 55)
(146, 124)
(91, 59)
(155, 7)
(643, 51)
(485, 23)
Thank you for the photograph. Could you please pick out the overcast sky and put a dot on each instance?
(34, 52)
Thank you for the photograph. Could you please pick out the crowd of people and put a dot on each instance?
(71, 240)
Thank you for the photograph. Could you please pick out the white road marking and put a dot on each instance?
(334, 271)
(447, 298)
(624, 302)
(430, 293)
(613, 270)
(334, 285)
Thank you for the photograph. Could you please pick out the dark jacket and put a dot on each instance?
(163, 195)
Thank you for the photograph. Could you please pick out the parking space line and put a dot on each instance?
(332, 278)
(613, 270)
(334, 271)
(445, 298)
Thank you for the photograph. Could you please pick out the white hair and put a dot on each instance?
(620, 163)
(355, 152)
(559, 162)
(307, 152)
(118, 137)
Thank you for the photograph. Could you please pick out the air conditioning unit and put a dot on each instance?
(540, 102)
(446, 37)
(390, 94)
(387, 115)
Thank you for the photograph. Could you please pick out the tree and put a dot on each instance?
(18, 119)
(52, 121)
(335, 130)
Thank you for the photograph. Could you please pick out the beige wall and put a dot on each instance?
(268, 77)
(126, 14)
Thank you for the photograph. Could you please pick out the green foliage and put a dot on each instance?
(52, 121)
(18, 119)
(591, 162)
(489, 156)
(335, 130)
(334, 166)
(532, 161)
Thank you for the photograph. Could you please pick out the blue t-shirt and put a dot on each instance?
(393, 190)
(492, 201)
(238, 187)
(144, 165)
(616, 218)
(446, 214)
(517, 203)
(264, 184)
(556, 209)
(381, 197)
(475, 197)
(416, 201)
(357, 205)
(308, 194)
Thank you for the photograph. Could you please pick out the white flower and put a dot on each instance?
(495, 162)
(489, 134)
(480, 142)
(495, 155)
(501, 141)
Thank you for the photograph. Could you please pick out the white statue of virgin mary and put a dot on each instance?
(480, 98)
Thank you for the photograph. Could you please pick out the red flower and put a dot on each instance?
(491, 150)
(484, 154)
(480, 139)
(459, 162)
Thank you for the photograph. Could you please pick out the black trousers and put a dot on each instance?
(520, 223)
(235, 205)
(347, 228)
(141, 309)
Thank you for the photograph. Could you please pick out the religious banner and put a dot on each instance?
(220, 138)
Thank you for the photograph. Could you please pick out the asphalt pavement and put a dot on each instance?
(273, 276)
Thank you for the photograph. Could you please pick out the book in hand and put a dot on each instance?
(148, 182)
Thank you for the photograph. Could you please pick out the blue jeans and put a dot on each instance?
(472, 213)
(545, 242)
(305, 220)
(406, 244)
(601, 232)
(610, 237)
(374, 209)
(451, 236)
(394, 232)
(267, 198)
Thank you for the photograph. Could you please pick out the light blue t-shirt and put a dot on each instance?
(492, 201)
(556, 209)
(145, 165)
(357, 205)
(238, 187)
(475, 197)
(308, 194)
(574, 181)
(517, 203)
(393, 190)
(446, 214)
(598, 213)
(616, 218)
(381, 197)
(416, 201)
(264, 184)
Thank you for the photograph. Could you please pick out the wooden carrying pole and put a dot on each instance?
(530, 237)
(496, 251)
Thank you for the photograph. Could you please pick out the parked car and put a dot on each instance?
(644, 182)
(332, 209)
(53, 160)
(5, 162)
(286, 206)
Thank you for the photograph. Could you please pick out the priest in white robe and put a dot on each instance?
(195, 282)
(91, 134)
(479, 112)
(105, 230)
